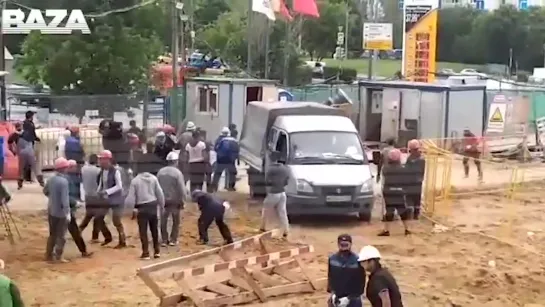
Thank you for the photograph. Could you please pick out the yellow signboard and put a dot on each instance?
(379, 45)
(497, 117)
(420, 43)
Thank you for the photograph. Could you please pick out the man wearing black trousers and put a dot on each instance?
(212, 209)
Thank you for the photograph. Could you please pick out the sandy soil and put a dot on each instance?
(447, 268)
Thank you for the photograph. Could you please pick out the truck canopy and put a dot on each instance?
(259, 118)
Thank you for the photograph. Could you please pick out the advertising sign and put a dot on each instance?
(378, 36)
(420, 40)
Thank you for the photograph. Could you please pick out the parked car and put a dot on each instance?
(472, 72)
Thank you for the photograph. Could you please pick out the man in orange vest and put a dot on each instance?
(472, 151)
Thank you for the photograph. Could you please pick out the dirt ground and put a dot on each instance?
(464, 265)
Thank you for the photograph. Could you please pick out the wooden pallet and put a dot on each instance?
(234, 280)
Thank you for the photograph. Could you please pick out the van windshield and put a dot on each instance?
(326, 147)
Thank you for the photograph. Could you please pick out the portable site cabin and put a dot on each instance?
(407, 110)
(215, 102)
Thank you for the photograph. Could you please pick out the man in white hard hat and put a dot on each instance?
(345, 276)
(382, 289)
(10, 296)
(172, 182)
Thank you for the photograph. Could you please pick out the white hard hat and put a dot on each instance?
(173, 156)
(225, 131)
(160, 134)
(190, 126)
(368, 252)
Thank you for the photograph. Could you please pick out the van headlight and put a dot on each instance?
(304, 186)
(367, 186)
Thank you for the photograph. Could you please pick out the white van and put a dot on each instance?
(330, 173)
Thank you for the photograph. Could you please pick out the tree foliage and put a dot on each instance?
(113, 60)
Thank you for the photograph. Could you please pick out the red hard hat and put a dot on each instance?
(394, 155)
(105, 154)
(72, 163)
(414, 144)
(133, 138)
(168, 129)
(61, 163)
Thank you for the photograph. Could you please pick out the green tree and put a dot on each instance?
(319, 35)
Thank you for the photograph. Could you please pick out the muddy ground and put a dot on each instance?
(464, 265)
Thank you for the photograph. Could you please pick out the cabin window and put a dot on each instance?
(208, 99)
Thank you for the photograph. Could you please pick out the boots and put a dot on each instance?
(122, 239)
(19, 184)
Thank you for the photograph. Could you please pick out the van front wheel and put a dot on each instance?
(365, 216)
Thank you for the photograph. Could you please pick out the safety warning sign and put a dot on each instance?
(496, 118)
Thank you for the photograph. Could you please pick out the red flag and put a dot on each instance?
(306, 7)
(279, 7)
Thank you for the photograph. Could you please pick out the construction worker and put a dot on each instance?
(197, 157)
(393, 191)
(74, 187)
(227, 151)
(163, 145)
(146, 195)
(58, 208)
(382, 289)
(73, 149)
(172, 182)
(415, 167)
(96, 208)
(212, 209)
(10, 296)
(24, 150)
(471, 150)
(345, 276)
(274, 204)
(110, 188)
(183, 139)
(390, 144)
(136, 131)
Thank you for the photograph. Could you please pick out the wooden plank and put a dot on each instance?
(222, 289)
(239, 282)
(172, 300)
(289, 275)
(146, 278)
(192, 294)
(265, 279)
(304, 271)
(204, 280)
(185, 259)
(242, 273)
(242, 298)
(205, 295)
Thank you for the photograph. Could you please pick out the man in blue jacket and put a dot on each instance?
(212, 209)
(73, 150)
(345, 277)
(227, 151)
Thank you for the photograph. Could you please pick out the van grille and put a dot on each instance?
(338, 190)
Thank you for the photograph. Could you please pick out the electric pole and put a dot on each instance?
(249, 38)
(174, 49)
(3, 106)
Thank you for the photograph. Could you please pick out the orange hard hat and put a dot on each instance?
(414, 144)
(105, 154)
(61, 163)
(394, 155)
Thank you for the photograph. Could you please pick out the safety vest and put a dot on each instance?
(5, 293)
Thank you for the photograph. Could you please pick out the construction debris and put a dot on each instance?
(235, 278)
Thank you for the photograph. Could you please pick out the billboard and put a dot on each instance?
(420, 40)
